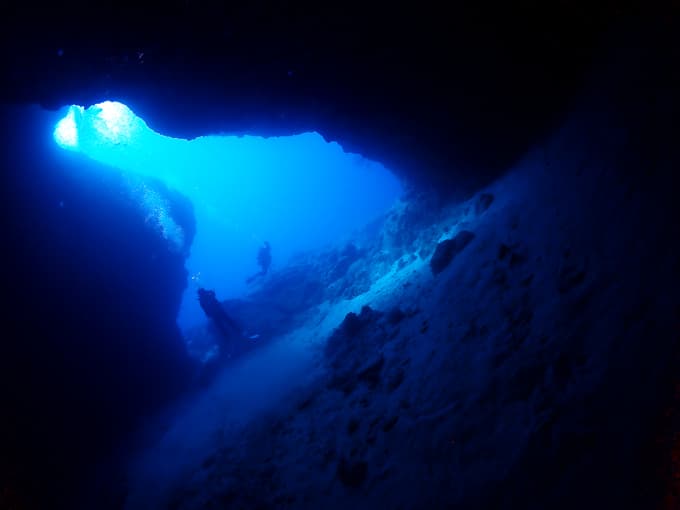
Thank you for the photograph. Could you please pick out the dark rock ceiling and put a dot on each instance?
(446, 94)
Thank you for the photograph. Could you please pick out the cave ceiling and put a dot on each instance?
(450, 95)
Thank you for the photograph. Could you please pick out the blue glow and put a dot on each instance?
(66, 131)
(297, 192)
(114, 122)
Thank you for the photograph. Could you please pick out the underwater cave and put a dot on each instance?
(272, 257)
(298, 193)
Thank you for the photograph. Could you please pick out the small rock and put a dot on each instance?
(371, 373)
(351, 325)
(483, 202)
(389, 424)
(352, 426)
(517, 258)
(352, 474)
(503, 250)
(448, 249)
(345, 382)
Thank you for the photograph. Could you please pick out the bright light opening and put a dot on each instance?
(115, 122)
(297, 192)
(66, 131)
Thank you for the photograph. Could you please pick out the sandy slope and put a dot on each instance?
(527, 374)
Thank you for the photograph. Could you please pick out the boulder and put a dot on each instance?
(448, 249)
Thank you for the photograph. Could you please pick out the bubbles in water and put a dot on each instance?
(157, 214)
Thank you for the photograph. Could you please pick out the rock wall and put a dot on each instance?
(90, 344)
(531, 369)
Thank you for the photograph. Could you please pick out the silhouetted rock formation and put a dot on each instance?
(446, 250)
(94, 294)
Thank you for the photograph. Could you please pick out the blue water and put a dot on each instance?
(297, 192)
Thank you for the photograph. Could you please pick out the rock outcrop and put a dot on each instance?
(448, 249)
(532, 372)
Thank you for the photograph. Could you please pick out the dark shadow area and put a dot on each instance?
(90, 344)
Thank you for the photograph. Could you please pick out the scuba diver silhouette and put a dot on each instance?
(264, 260)
(214, 310)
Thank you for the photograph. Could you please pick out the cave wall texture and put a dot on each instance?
(448, 100)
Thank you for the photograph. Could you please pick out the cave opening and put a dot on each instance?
(509, 338)
(299, 193)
